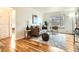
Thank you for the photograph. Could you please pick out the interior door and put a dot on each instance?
(5, 28)
(4, 24)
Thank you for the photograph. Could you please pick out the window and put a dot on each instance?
(57, 20)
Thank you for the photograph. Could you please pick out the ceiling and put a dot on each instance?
(54, 9)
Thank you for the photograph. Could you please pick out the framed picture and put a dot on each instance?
(34, 19)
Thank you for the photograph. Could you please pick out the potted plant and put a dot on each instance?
(45, 22)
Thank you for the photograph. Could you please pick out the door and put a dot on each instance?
(6, 17)
(4, 24)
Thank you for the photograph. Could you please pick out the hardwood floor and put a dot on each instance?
(27, 45)
(5, 43)
(70, 43)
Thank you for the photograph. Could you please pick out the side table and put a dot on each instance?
(28, 34)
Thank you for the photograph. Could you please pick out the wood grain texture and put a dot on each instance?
(70, 43)
(5, 44)
(27, 45)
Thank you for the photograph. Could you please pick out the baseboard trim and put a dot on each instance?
(4, 38)
(66, 33)
(21, 37)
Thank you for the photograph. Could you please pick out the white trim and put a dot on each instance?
(20, 37)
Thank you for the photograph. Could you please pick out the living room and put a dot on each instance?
(39, 29)
(24, 19)
(44, 29)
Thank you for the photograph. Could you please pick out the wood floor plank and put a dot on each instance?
(5, 44)
(27, 45)
(36, 45)
(70, 43)
(31, 46)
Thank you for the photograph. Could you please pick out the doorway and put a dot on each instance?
(6, 17)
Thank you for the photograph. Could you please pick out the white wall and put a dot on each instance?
(24, 14)
(67, 24)
(77, 17)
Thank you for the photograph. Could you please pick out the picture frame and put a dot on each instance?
(34, 18)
